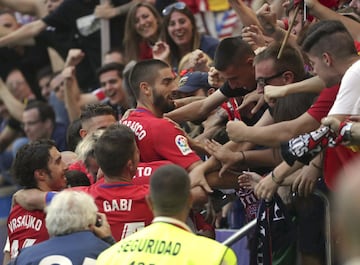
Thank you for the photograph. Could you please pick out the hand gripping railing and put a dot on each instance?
(328, 252)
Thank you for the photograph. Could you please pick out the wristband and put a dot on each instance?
(345, 132)
(49, 196)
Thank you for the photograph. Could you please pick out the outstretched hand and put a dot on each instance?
(197, 178)
(266, 188)
(250, 98)
(248, 180)
(223, 154)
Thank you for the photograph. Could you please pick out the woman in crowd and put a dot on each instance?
(142, 31)
(181, 33)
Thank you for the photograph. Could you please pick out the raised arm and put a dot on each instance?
(271, 135)
(14, 106)
(31, 7)
(24, 33)
(73, 98)
(108, 11)
(245, 13)
(314, 84)
(31, 199)
(197, 110)
(322, 12)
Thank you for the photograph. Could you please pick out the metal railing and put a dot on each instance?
(328, 251)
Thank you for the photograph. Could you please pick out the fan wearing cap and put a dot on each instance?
(194, 84)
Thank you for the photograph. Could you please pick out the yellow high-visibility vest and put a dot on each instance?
(165, 243)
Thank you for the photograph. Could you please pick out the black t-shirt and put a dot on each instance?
(62, 41)
(229, 92)
(64, 19)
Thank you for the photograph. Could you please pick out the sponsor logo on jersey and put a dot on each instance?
(182, 143)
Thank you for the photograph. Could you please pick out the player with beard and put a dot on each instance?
(38, 165)
(153, 82)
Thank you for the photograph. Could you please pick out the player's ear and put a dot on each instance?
(145, 88)
(40, 174)
(82, 133)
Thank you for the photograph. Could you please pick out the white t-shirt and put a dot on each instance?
(347, 101)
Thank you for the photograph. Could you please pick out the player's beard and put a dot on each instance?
(161, 103)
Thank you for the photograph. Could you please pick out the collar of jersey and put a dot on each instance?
(141, 109)
(115, 184)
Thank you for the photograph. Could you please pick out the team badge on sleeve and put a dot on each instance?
(182, 143)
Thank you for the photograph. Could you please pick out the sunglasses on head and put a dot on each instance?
(178, 6)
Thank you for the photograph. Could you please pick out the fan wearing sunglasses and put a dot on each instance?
(181, 34)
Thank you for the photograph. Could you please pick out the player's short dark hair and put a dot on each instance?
(114, 148)
(145, 71)
(231, 51)
(30, 157)
(94, 110)
(329, 36)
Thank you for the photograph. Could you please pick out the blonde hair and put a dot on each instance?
(86, 147)
(184, 63)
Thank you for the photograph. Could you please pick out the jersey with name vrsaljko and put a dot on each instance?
(25, 228)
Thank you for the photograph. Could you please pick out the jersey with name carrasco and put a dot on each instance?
(25, 228)
(124, 205)
(164, 243)
(159, 139)
(145, 170)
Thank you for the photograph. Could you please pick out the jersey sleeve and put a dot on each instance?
(323, 104)
(175, 146)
